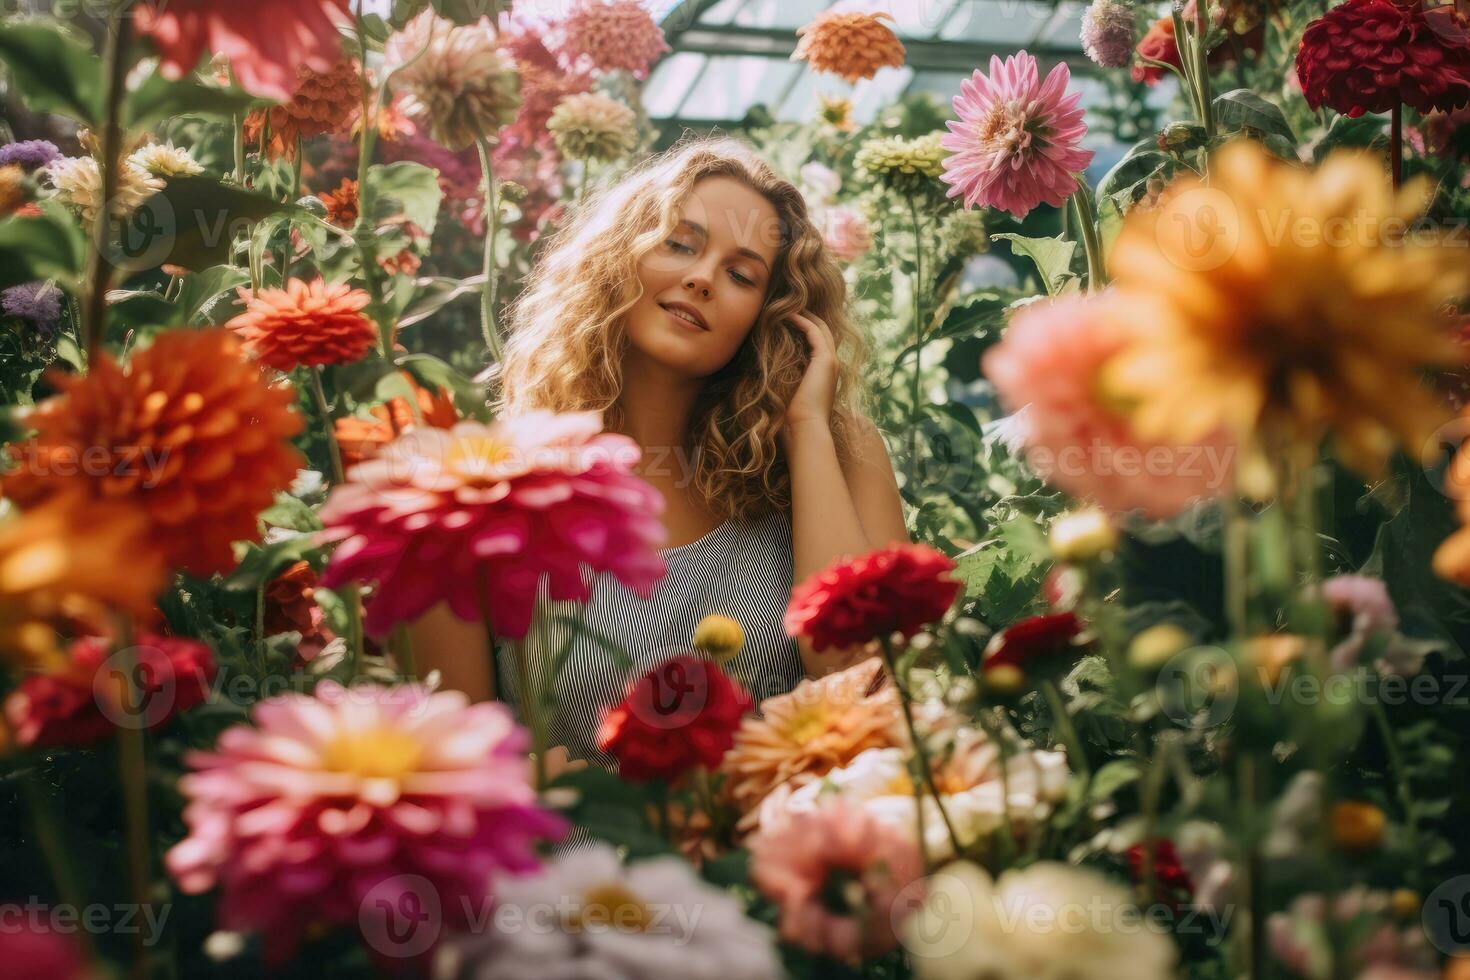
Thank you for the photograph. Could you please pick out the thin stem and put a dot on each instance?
(1076, 754)
(1400, 775)
(133, 769)
(403, 651)
(1249, 791)
(492, 229)
(239, 150)
(63, 874)
(530, 698)
(351, 595)
(99, 268)
(1202, 69)
(1091, 243)
(917, 393)
(921, 752)
(1396, 145)
(1237, 561)
(364, 233)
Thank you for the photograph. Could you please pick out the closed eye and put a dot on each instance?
(675, 245)
(742, 280)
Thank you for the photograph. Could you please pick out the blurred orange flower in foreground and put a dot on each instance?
(71, 559)
(1286, 305)
(190, 433)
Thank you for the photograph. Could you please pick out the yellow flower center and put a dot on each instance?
(806, 724)
(612, 904)
(378, 753)
(475, 458)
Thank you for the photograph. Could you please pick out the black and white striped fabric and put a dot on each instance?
(741, 570)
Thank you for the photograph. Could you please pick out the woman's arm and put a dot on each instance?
(457, 649)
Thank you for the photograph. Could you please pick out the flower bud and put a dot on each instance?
(719, 637)
(1083, 535)
(1153, 647)
(1004, 681)
(1356, 826)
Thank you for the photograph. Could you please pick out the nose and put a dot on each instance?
(697, 283)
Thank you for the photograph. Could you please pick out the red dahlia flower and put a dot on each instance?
(681, 714)
(1372, 55)
(82, 704)
(306, 323)
(900, 588)
(1023, 644)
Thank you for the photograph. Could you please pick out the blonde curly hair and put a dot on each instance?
(566, 337)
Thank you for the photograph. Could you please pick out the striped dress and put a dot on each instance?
(741, 570)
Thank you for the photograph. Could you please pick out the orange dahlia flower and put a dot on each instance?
(852, 46)
(341, 203)
(323, 102)
(361, 438)
(71, 559)
(819, 726)
(189, 432)
(306, 323)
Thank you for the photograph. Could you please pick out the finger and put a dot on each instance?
(818, 334)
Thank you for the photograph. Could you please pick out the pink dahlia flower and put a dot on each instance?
(837, 873)
(330, 802)
(1015, 144)
(266, 42)
(610, 35)
(1049, 367)
(846, 233)
(478, 515)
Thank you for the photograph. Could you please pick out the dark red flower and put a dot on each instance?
(1160, 44)
(86, 702)
(681, 714)
(290, 604)
(1170, 877)
(1372, 55)
(1030, 640)
(900, 589)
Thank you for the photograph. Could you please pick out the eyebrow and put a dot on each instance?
(742, 250)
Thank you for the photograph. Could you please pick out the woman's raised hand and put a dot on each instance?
(813, 398)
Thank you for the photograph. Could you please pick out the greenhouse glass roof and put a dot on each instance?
(732, 55)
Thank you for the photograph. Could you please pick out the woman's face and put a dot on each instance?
(705, 284)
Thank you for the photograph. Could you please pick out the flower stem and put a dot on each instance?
(920, 751)
(239, 150)
(1077, 755)
(1087, 231)
(917, 393)
(1254, 871)
(1396, 145)
(133, 769)
(351, 595)
(1202, 69)
(1402, 788)
(63, 874)
(530, 700)
(99, 268)
(492, 229)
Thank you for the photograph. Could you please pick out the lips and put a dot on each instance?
(687, 313)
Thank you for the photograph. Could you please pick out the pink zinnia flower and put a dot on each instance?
(335, 799)
(478, 515)
(837, 873)
(846, 233)
(1048, 367)
(610, 35)
(266, 42)
(1015, 143)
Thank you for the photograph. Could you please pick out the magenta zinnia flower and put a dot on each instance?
(1015, 143)
(478, 515)
(335, 798)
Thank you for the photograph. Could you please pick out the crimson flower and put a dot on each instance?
(1170, 875)
(1372, 55)
(900, 589)
(1031, 640)
(85, 703)
(681, 714)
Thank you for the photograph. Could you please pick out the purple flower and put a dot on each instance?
(38, 302)
(29, 155)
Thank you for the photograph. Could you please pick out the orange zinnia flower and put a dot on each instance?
(306, 323)
(342, 203)
(360, 438)
(323, 102)
(189, 432)
(71, 559)
(852, 46)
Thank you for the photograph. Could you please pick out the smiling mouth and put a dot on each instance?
(689, 316)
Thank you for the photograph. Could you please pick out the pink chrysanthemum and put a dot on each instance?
(610, 35)
(836, 873)
(478, 515)
(1015, 144)
(352, 795)
(1049, 364)
(266, 42)
(846, 233)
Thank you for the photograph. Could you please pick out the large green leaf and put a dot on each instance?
(407, 189)
(198, 219)
(1053, 258)
(49, 246)
(158, 99)
(201, 292)
(53, 70)
(1244, 109)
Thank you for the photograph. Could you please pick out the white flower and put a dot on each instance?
(970, 786)
(819, 184)
(1049, 921)
(78, 183)
(587, 916)
(454, 78)
(165, 160)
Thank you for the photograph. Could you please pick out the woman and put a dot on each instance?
(695, 306)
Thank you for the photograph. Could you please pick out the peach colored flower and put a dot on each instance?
(852, 46)
(307, 323)
(322, 102)
(454, 78)
(610, 35)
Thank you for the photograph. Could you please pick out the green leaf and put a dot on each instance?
(1244, 109)
(1359, 133)
(433, 373)
(1111, 777)
(292, 513)
(158, 99)
(54, 71)
(261, 563)
(1053, 258)
(610, 809)
(1141, 162)
(50, 246)
(200, 217)
(201, 291)
(407, 189)
(435, 293)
